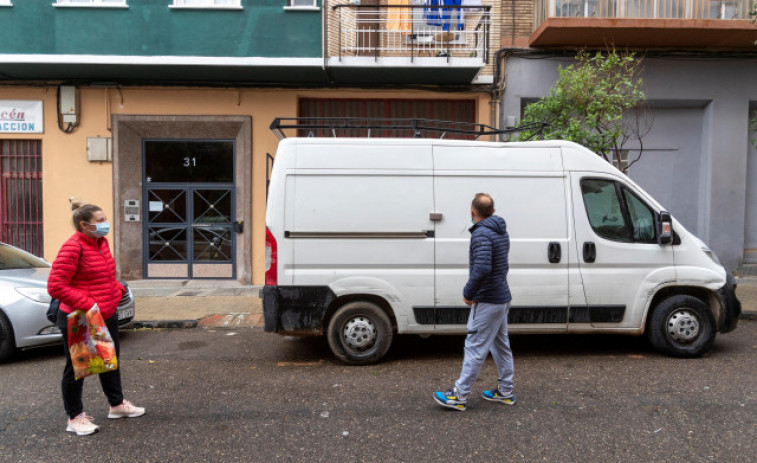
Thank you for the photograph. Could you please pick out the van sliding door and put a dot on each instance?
(529, 190)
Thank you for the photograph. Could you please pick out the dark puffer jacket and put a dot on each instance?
(489, 247)
(84, 273)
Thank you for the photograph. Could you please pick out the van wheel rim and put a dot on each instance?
(683, 326)
(359, 333)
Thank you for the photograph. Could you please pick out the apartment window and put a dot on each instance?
(217, 4)
(302, 5)
(92, 3)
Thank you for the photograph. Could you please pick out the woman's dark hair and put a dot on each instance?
(82, 211)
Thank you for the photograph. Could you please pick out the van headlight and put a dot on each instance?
(35, 294)
(710, 254)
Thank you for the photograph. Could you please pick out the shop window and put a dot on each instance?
(221, 4)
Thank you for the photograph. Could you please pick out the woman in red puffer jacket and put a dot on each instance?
(84, 275)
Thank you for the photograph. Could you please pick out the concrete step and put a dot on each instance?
(747, 269)
(200, 288)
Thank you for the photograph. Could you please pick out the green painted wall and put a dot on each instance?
(148, 27)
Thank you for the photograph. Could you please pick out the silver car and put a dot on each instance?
(24, 302)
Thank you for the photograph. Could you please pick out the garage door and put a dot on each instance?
(445, 110)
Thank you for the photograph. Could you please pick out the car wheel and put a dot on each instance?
(359, 333)
(7, 343)
(682, 326)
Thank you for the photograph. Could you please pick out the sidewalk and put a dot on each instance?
(228, 304)
(192, 303)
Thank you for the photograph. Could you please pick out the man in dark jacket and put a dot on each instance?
(489, 297)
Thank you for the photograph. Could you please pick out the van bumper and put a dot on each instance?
(729, 316)
(295, 309)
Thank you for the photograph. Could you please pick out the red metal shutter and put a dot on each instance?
(21, 194)
(446, 110)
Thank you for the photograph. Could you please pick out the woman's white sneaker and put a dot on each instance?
(126, 410)
(82, 425)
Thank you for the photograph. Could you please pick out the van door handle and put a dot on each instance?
(435, 216)
(553, 252)
(590, 252)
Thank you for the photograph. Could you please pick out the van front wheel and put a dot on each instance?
(359, 333)
(682, 326)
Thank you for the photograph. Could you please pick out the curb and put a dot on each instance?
(170, 324)
(748, 315)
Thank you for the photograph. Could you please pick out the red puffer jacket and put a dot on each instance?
(79, 283)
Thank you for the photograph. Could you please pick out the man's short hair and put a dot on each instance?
(483, 204)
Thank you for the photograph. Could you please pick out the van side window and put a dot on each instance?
(642, 218)
(604, 209)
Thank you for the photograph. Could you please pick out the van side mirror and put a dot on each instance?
(665, 228)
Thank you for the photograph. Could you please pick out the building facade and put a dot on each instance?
(159, 111)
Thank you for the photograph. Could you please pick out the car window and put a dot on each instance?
(13, 258)
(642, 218)
(604, 209)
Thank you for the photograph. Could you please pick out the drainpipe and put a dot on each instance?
(496, 91)
(325, 42)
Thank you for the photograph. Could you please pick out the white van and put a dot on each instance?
(369, 237)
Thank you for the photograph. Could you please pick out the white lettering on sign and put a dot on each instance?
(21, 116)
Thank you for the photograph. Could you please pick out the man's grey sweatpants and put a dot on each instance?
(487, 332)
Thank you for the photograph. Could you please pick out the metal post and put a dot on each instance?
(412, 37)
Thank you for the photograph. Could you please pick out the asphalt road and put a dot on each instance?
(251, 396)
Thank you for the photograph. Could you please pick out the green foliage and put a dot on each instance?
(753, 127)
(588, 103)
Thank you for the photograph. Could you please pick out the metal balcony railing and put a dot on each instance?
(642, 9)
(410, 31)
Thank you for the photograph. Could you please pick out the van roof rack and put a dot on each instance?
(418, 127)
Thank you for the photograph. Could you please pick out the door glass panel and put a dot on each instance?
(212, 206)
(604, 209)
(168, 244)
(167, 206)
(212, 244)
(642, 218)
(212, 224)
(189, 161)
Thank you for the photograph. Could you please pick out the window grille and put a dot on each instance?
(21, 193)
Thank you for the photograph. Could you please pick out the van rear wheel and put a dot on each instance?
(682, 326)
(359, 333)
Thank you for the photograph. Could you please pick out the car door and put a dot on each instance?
(620, 259)
(529, 190)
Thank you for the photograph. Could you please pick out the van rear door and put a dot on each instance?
(529, 190)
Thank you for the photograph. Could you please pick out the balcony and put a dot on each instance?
(676, 24)
(407, 43)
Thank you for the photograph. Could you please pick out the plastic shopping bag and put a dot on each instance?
(89, 342)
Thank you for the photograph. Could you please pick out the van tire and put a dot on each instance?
(682, 326)
(7, 343)
(359, 333)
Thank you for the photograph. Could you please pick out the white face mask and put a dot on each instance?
(101, 229)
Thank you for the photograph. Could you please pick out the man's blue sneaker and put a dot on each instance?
(495, 396)
(450, 399)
